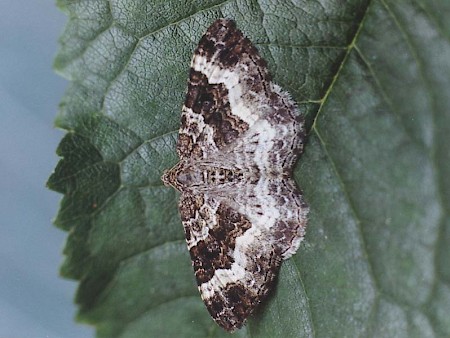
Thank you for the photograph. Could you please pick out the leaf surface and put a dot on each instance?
(371, 78)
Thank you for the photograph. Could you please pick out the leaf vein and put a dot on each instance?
(341, 66)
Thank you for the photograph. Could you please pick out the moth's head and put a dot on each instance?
(182, 176)
(169, 177)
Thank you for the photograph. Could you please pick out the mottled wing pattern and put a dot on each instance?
(277, 211)
(232, 276)
(226, 73)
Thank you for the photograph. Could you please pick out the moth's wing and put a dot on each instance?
(289, 228)
(227, 80)
(277, 210)
(274, 142)
(234, 270)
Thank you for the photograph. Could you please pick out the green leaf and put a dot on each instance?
(372, 79)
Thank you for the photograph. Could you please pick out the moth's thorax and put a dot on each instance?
(191, 176)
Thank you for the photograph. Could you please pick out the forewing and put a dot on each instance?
(234, 271)
(223, 99)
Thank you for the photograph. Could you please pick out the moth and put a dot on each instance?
(239, 139)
